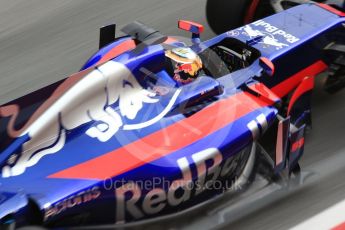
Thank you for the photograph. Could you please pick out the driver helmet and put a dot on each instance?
(186, 63)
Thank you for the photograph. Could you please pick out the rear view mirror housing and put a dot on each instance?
(193, 27)
(190, 26)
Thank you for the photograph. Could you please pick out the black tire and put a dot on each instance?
(224, 15)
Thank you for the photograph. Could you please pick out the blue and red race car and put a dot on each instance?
(153, 125)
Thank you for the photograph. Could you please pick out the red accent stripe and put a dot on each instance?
(332, 9)
(117, 50)
(306, 85)
(297, 145)
(251, 11)
(292, 82)
(156, 145)
(339, 227)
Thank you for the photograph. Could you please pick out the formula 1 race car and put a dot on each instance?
(223, 15)
(153, 125)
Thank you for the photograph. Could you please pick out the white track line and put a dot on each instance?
(331, 218)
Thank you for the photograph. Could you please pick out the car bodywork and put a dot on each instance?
(121, 141)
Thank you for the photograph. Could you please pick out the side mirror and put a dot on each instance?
(193, 27)
(267, 65)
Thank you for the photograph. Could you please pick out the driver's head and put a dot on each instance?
(186, 63)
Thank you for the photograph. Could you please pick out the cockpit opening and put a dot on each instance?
(229, 55)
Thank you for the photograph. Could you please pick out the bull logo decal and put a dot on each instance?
(90, 99)
(268, 38)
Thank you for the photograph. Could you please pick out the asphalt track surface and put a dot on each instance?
(44, 41)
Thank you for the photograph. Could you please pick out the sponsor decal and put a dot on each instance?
(71, 202)
(133, 203)
(91, 99)
(233, 33)
(271, 36)
(258, 126)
